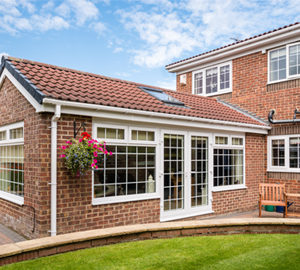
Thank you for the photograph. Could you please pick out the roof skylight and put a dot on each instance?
(162, 96)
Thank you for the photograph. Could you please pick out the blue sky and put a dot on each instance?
(129, 39)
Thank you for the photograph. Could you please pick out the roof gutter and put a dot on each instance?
(88, 106)
(264, 40)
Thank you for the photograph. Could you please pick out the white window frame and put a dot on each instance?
(8, 142)
(286, 167)
(234, 147)
(143, 129)
(126, 135)
(288, 77)
(128, 142)
(219, 91)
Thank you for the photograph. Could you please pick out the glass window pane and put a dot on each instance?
(237, 141)
(221, 140)
(101, 133)
(211, 80)
(277, 64)
(198, 83)
(2, 135)
(294, 56)
(121, 134)
(294, 148)
(16, 133)
(224, 77)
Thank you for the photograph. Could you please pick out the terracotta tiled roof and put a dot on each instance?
(240, 41)
(72, 85)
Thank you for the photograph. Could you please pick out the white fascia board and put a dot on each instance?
(108, 112)
(243, 48)
(38, 107)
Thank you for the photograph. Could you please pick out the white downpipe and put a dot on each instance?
(53, 183)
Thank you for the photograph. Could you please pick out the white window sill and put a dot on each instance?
(284, 170)
(284, 80)
(123, 199)
(227, 188)
(11, 198)
(218, 93)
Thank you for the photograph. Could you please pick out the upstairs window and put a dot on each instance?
(284, 63)
(213, 81)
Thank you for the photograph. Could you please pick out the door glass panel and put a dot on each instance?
(173, 172)
(199, 175)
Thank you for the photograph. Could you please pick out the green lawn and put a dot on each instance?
(258, 251)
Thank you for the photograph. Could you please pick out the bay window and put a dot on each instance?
(284, 153)
(12, 163)
(213, 80)
(284, 63)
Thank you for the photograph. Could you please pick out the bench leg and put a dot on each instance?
(259, 206)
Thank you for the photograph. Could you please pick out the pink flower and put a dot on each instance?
(95, 146)
(68, 142)
(62, 156)
(100, 149)
(80, 140)
(92, 165)
(95, 154)
(96, 167)
(95, 161)
(110, 153)
(105, 152)
(64, 147)
(90, 142)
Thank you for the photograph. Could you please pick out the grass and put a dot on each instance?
(260, 251)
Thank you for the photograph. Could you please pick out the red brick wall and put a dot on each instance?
(184, 88)
(245, 199)
(15, 108)
(250, 89)
(74, 205)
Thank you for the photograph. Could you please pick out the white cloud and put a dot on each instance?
(24, 15)
(118, 50)
(98, 27)
(83, 10)
(49, 22)
(165, 35)
(202, 25)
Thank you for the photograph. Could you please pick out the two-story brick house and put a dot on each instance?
(176, 155)
(258, 74)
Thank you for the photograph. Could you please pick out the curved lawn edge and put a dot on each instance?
(46, 246)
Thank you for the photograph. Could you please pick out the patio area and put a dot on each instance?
(8, 236)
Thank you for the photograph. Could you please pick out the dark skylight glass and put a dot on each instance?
(162, 96)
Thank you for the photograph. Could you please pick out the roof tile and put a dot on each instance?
(72, 85)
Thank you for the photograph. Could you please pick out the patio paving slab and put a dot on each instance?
(8, 236)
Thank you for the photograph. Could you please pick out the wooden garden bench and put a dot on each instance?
(272, 194)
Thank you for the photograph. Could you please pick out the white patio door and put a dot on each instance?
(186, 187)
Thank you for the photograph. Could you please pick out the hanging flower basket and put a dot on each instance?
(84, 154)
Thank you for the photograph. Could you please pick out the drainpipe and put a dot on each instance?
(286, 121)
(53, 183)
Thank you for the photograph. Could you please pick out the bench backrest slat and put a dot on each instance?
(272, 192)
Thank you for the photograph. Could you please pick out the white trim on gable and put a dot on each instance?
(262, 43)
(38, 107)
